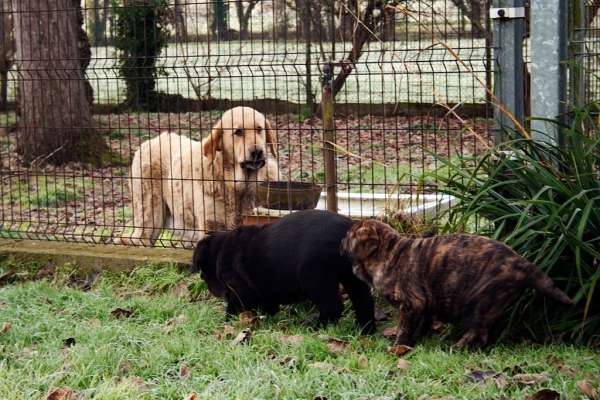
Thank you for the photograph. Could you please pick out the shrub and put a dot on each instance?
(544, 201)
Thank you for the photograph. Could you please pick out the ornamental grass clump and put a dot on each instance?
(544, 201)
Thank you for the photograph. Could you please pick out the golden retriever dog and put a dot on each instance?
(190, 187)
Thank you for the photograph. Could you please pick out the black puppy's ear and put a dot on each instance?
(201, 254)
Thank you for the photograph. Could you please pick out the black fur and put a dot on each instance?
(292, 259)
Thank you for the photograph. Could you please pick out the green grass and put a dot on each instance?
(167, 333)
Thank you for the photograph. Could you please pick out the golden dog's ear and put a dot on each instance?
(271, 139)
(213, 143)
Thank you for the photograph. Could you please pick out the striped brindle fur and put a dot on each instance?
(449, 278)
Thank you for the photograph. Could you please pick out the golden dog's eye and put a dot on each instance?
(259, 129)
(238, 132)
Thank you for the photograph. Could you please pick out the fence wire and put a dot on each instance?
(89, 87)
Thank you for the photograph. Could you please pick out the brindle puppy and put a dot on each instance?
(451, 278)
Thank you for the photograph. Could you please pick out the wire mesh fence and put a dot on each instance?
(89, 87)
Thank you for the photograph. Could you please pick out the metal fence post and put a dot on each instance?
(548, 43)
(508, 17)
(328, 138)
(576, 52)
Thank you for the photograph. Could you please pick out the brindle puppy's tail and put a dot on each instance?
(543, 284)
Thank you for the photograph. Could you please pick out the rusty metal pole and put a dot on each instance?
(328, 138)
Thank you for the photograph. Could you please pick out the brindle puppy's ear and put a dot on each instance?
(366, 242)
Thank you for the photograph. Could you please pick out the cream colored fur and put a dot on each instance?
(190, 187)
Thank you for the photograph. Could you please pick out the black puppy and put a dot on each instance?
(294, 258)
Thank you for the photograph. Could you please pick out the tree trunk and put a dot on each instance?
(244, 17)
(55, 124)
(180, 25)
(7, 50)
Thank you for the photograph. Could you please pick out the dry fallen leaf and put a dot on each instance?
(334, 345)
(399, 350)
(479, 376)
(242, 336)
(530, 379)
(587, 389)
(380, 315)
(184, 371)
(180, 290)
(60, 394)
(138, 383)
(5, 327)
(175, 321)
(290, 339)
(546, 394)
(403, 364)
(330, 367)
(363, 361)
(93, 321)
(45, 299)
(192, 396)
(288, 361)
(389, 332)
(552, 360)
(501, 380)
(121, 313)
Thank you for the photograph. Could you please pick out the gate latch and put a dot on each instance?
(507, 12)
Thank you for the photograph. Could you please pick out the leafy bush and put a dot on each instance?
(141, 34)
(544, 201)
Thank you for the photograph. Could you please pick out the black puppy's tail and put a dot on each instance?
(543, 284)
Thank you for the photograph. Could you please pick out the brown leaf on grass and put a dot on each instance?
(5, 327)
(479, 376)
(552, 360)
(288, 361)
(175, 321)
(403, 364)
(138, 383)
(399, 350)
(530, 379)
(248, 318)
(389, 332)
(337, 345)
(363, 361)
(436, 325)
(180, 290)
(501, 380)
(42, 273)
(291, 339)
(330, 367)
(546, 394)
(242, 336)
(588, 390)
(590, 376)
(192, 396)
(60, 394)
(45, 299)
(567, 370)
(93, 321)
(380, 315)
(121, 313)
(184, 371)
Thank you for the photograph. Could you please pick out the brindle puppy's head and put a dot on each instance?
(205, 262)
(361, 245)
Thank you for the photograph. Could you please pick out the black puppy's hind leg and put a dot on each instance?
(325, 297)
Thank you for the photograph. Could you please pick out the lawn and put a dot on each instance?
(159, 334)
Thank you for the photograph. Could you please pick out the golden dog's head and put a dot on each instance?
(242, 135)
